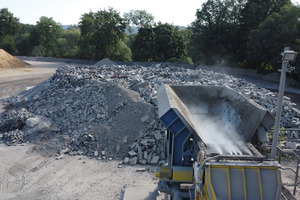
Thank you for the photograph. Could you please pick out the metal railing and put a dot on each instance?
(295, 153)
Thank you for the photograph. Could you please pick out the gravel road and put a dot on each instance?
(25, 174)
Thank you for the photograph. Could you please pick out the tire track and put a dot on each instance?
(44, 174)
(3, 180)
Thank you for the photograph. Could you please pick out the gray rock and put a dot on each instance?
(140, 153)
(32, 122)
(126, 160)
(157, 135)
(141, 169)
(154, 160)
(145, 119)
(125, 139)
(64, 151)
(145, 154)
(133, 161)
(19, 101)
(144, 142)
(132, 153)
(133, 145)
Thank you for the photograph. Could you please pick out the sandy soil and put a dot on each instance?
(15, 80)
(25, 174)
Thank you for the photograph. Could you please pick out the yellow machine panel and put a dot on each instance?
(182, 174)
(163, 172)
(241, 182)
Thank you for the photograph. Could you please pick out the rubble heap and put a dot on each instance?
(105, 110)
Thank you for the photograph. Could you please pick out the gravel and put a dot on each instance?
(109, 111)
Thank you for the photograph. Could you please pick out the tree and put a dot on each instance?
(168, 42)
(101, 34)
(215, 31)
(9, 28)
(143, 45)
(253, 14)
(69, 42)
(48, 32)
(267, 41)
(138, 18)
(187, 38)
(159, 43)
(26, 40)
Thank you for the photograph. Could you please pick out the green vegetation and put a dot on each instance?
(238, 33)
(159, 43)
(9, 29)
(101, 34)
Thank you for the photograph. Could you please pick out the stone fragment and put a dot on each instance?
(133, 145)
(144, 142)
(141, 169)
(140, 153)
(133, 161)
(43, 126)
(152, 122)
(59, 157)
(143, 162)
(154, 160)
(64, 151)
(32, 122)
(145, 154)
(145, 119)
(132, 153)
(162, 162)
(125, 139)
(151, 140)
(126, 160)
(157, 135)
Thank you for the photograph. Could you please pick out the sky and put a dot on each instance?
(68, 12)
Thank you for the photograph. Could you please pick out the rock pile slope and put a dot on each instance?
(106, 111)
(8, 61)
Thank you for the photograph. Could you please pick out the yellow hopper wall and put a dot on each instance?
(238, 182)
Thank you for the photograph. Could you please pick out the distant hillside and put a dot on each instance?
(65, 27)
(135, 29)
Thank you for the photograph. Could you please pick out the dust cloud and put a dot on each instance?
(218, 132)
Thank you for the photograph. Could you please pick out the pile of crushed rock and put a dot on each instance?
(8, 61)
(109, 111)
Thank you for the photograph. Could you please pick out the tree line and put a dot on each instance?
(239, 33)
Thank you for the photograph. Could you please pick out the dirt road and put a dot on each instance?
(25, 174)
(15, 80)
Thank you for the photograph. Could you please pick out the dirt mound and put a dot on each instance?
(105, 62)
(8, 61)
(85, 115)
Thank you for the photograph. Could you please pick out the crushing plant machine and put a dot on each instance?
(213, 134)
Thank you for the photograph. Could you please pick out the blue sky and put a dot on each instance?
(68, 12)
